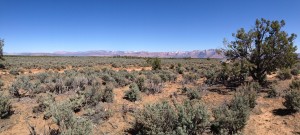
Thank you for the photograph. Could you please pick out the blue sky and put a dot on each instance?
(134, 25)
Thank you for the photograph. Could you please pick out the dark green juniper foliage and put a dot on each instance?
(155, 63)
(263, 48)
(1, 48)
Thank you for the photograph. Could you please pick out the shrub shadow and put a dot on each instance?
(282, 112)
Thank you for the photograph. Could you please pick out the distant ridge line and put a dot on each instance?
(211, 53)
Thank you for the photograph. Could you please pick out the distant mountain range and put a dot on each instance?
(211, 53)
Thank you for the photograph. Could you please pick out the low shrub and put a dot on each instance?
(180, 70)
(193, 94)
(284, 74)
(14, 71)
(189, 78)
(155, 63)
(80, 126)
(295, 84)
(99, 114)
(42, 77)
(108, 95)
(231, 118)
(5, 106)
(22, 87)
(1, 84)
(292, 100)
(93, 95)
(249, 93)
(272, 93)
(67, 122)
(154, 84)
(133, 94)
(44, 103)
(295, 71)
(140, 81)
(161, 118)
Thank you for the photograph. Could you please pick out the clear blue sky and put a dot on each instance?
(135, 25)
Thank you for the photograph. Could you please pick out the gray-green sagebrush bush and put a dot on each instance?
(69, 124)
(133, 94)
(191, 93)
(164, 119)
(1, 84)
(5, 106)
(231, 118)
(284, 74)
(292, 98)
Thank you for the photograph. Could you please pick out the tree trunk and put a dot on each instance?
(258, 75)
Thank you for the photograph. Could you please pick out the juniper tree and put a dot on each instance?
(263, 49)
(1, 48)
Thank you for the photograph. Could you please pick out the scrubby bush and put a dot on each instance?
(1, 84)
(61, 113)
(292, 100)
(295, 84)
(167, 76)
(180, 70)
(272, 93)
(115, 65)
(161, 118)
(5, 106)
(295, 71)
(42, 77)
(154, 84)
(77, 102)
(193, 118)
(44, 103)
(108, 95)
(99, 114)
(93, 95)
(14, 71)
(284, 74)
(193, 94)
(80, 126)
(67, 122)
(133, 94)
(231, 118)
(210, 76)
(249, 93)
(190, 78)
(79, 83)
(156, 64)
(21, 87)
(230, 74)
(140, 81)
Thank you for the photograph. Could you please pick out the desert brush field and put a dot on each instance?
(130, 95)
